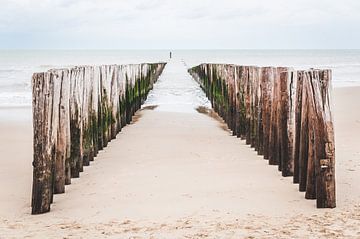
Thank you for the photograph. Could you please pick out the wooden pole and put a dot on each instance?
(286, 127)
(62, 134)
(42, 89)
(274, 154)
(284, 114)
(313, 124)
(267, 82)
(324, 142)
(304, 134)
(298, 114)
(76, 112)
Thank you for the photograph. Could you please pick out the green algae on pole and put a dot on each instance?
(76, 112)
(284, 114)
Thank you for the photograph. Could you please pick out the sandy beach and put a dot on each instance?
(125, 119)
(181, 175)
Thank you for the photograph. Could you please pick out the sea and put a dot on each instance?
(17, 66)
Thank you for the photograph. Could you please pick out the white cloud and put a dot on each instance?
(179, 24)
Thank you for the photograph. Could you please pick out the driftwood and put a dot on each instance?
(284, 114)
(76, 112)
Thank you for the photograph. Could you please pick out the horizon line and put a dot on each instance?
(172, 49)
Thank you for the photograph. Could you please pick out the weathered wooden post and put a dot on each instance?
(75, 123)
(238, 101)
(255, 109)
(298, 113)
(304, 134)
(267, 85)
(324, 151)
(312, 125)
(42, 89)
(284, 114)
(75, 113)
(286, 122)
(274, 121)
(232, 98)
(63, 136)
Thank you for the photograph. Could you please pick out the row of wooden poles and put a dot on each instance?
(284, 114)
(76, 112)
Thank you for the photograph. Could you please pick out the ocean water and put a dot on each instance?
(17, 66)
(176, 91)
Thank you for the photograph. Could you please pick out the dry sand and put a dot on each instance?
(181, 175)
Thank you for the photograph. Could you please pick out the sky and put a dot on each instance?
(179, 24)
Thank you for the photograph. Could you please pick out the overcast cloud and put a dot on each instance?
(179, 24)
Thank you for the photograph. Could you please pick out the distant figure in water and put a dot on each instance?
(170, 54)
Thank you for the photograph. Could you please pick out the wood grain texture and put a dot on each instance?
(76, 112)
(284, 114)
